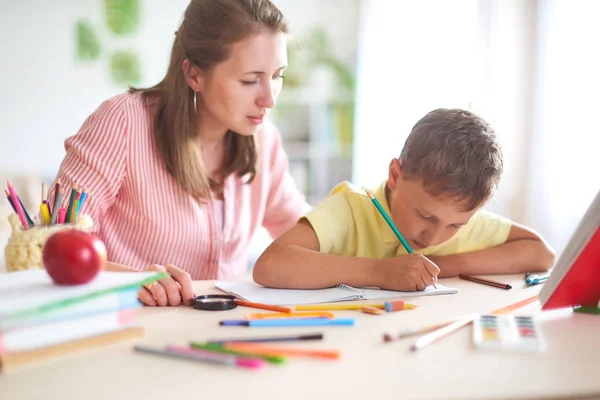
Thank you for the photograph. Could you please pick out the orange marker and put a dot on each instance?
(514, 306)
(269, 350)
(371, 310)
(264, 306)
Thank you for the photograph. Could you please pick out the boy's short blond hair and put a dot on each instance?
(455, 153)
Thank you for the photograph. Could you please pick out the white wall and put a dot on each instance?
(565, 167)
(45, 94)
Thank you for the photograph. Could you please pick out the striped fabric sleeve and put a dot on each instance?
(285, 203)
(96, 159)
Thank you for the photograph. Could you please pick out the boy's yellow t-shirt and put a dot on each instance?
(348, 223)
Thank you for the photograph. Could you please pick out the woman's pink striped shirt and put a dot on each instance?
(144, 217)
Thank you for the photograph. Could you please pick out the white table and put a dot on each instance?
(449, 369)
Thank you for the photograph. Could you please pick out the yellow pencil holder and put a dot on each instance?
(24, 247)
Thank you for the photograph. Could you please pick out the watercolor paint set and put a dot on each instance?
(508, 332)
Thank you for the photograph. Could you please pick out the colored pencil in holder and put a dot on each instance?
(57, 202)
(80, 201)
(75, 206)
(71, 202)
(17, 205)
(10, 200)
(29, 220)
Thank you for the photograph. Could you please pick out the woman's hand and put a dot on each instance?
(169, 291)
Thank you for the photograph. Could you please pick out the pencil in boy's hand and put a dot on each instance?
(390, 223)
(388, 220)
(485, 281)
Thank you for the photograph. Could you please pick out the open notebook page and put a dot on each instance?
(253, 292)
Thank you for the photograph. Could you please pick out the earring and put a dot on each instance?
(195, 107)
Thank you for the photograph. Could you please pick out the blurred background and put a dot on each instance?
(361, 73)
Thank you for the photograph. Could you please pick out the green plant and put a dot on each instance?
(88, 45)
(125, 67)
(122, 16)
(313, 51)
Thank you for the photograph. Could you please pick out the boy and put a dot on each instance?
(449, 168)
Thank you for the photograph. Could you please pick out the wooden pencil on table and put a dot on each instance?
(388, 337)
(484, 281)
(442, 332)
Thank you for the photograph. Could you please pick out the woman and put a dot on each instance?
(184, 172)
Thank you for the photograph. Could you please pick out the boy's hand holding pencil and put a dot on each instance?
(406, 273)
(415, 271)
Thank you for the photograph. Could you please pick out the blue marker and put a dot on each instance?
(289, 322)
(534, 280)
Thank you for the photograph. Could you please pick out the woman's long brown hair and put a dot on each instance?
(205, 37)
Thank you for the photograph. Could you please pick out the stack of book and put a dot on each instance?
(40, 320)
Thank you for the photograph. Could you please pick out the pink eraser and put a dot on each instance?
(397, 305)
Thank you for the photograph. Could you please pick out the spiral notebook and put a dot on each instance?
(255, 293)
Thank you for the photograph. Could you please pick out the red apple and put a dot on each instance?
(73, 257)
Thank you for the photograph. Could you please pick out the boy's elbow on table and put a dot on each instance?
(544, 256)
(548, 258)
(263, 271)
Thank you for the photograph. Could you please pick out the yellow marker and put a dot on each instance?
(337, 307)
(290, 315)
(45, 213)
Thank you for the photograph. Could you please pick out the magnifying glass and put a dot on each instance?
(214, 302)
